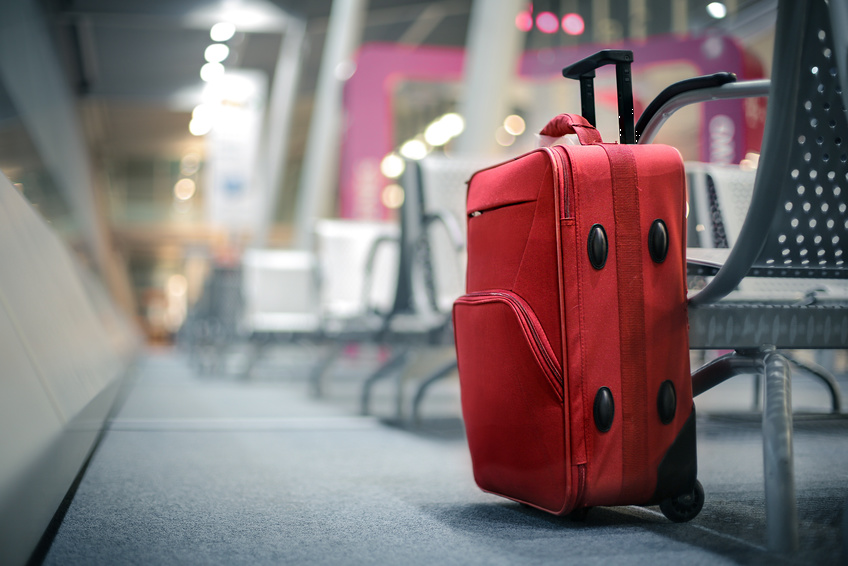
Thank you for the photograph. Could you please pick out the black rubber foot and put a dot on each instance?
(685, 507)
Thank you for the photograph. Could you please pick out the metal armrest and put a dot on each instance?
(452, 227)
(744, 89)
(369, 266)
(675, 90)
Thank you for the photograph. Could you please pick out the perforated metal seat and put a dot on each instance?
(719, 199)
(796, 226)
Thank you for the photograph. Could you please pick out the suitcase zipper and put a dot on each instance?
(519, 304)
(559, 175)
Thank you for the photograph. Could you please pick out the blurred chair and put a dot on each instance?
(796, 226)
(322, 298)
(280, 300)
(358, 267)
(213, 322)
(431, 273)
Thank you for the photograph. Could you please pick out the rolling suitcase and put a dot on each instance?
(572, 338)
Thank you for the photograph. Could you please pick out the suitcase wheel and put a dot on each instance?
(684, 507)
(579, 515)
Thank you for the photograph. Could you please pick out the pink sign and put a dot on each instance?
(729, 129)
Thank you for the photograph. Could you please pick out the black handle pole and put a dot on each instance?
(626, 130)
(587, 97)
(584, 71)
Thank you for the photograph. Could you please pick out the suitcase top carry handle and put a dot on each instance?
(584, 71)
(572, 124)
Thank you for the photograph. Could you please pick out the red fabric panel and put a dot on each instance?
(511, 404)
(508, 183)
(496, 244)
(512, 244)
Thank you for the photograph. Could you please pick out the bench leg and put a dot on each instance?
(319, 370)
(781, 507)
(441, 373)
(398, 360)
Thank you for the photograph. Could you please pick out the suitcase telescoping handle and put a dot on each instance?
(584, 71)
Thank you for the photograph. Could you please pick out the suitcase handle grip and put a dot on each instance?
(572, 124)
(584, 71)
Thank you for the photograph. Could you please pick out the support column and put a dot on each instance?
(278, 124)
(493, 48)
(320, 166)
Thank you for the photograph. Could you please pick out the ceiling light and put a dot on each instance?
(453, 123)
(392, 196)
(202, 119)
(392, 166)
(190, 163)
(222, 31)
(524, 21)
(514, 125)
(184, 189)
(547, 22)
(503, 137)
(177, 285)
(414, 149)
(437, 134)
(573, 24)
(199, 127)
(717, 10)
(216, 52)
(211, 72)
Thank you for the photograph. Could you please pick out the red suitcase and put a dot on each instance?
(572, 338)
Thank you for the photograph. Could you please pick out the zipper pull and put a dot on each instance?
(475, 214)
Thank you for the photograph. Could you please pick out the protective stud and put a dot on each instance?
(667, 402)
(598, 246)
(604, 409)
(658, 241)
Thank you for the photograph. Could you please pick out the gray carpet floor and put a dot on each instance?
(215, 469)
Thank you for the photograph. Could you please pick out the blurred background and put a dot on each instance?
(161, 138)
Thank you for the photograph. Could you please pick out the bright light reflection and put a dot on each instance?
(177, 285)
(392, 196)
(392, 166)
(437, 134)
(202, 119)
(503, 137)
(211, 72)
(414, 149)
(547, 22)
(222, 31)
(231, 88)
(199, 127)
(216, 53)
(514, 125)
(524, 21)
(573, 24)
(717, 10)
(454, 123)
(184, 189)
(189, 164)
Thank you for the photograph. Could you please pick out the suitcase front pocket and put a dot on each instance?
(512, 399)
